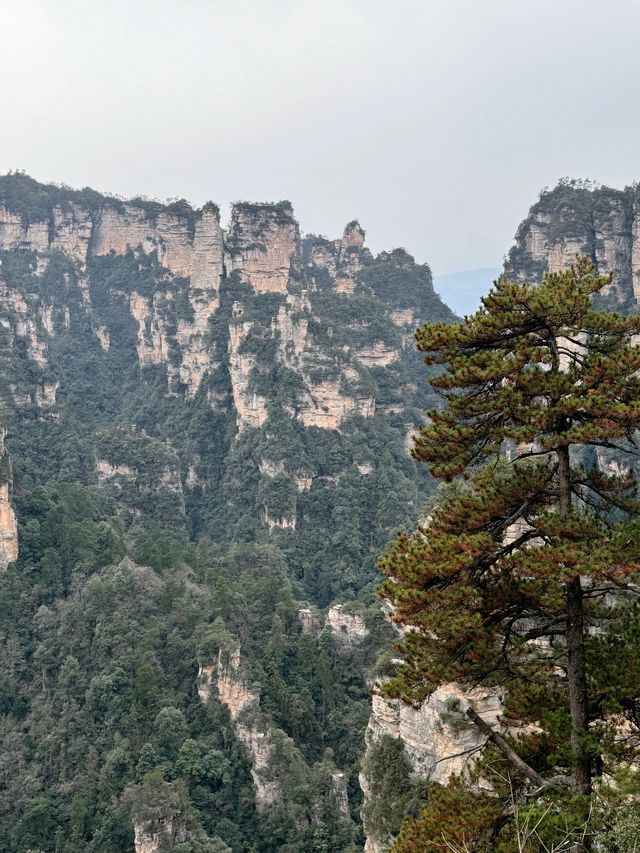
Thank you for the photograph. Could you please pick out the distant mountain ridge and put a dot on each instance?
(462, 290)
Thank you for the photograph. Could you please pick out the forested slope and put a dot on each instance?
(206, 434)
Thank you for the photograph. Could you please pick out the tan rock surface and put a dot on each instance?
(348, 627)
(262, 240)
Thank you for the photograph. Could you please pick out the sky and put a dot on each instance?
(435, 123)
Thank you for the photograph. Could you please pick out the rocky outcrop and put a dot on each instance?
(164, 477)
(207, 674)
(8, 524)
(250, 407)
(339, 790)
(173, 317)
(349, 258)
(613, 465)
(233, 689)
(67, 229)
(311, 621)
(251, 726)
(280, 522)
(20, 320)
(343, 259)
(152, 344)
(255, 322)
(292, 327)
(145, 840)
(302, 479)
(349, 628)
(199, 260)
(438, 742)
(106, 471)
(187, 243)
(581, 218)
(378, 354)
(323, 402)
(206, 272)
(328, 405)
(261, 241)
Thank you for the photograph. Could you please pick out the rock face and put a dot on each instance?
(273, 334)
(348, 627)
(251, 727)
(261, 242)
(310, 620)
(269, 748)
(8, 525)
(147, 841)
(579, 218)
(437, 741)
(235, 385)
(187, 243)
(340, 796)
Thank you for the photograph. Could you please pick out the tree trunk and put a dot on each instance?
(576, 675)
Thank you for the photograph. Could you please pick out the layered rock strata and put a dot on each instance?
(581, 218)
(251, 322)
(261, 241)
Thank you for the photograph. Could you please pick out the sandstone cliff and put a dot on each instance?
(261, 241)
(252, 728)
(348, 626)
(581, 218)
(272, 753)
(8, 525)
(437, 741)
(173, 318)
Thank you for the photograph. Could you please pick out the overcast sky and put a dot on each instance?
(436, 123)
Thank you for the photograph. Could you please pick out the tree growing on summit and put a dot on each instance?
(514, 564)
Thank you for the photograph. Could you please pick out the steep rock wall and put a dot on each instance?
(250, 725)
(349, 628)
(257, 319)
(437, 742)
(189, 245)
(8, 525)
(581, 218)
(261, 241)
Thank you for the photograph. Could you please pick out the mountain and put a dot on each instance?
(205, 447)
(462, 290)
(579, 217)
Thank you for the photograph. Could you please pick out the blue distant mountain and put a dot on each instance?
(462, 290)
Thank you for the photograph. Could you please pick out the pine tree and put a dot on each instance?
(503, 581)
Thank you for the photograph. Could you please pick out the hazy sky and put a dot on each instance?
(436, 123)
